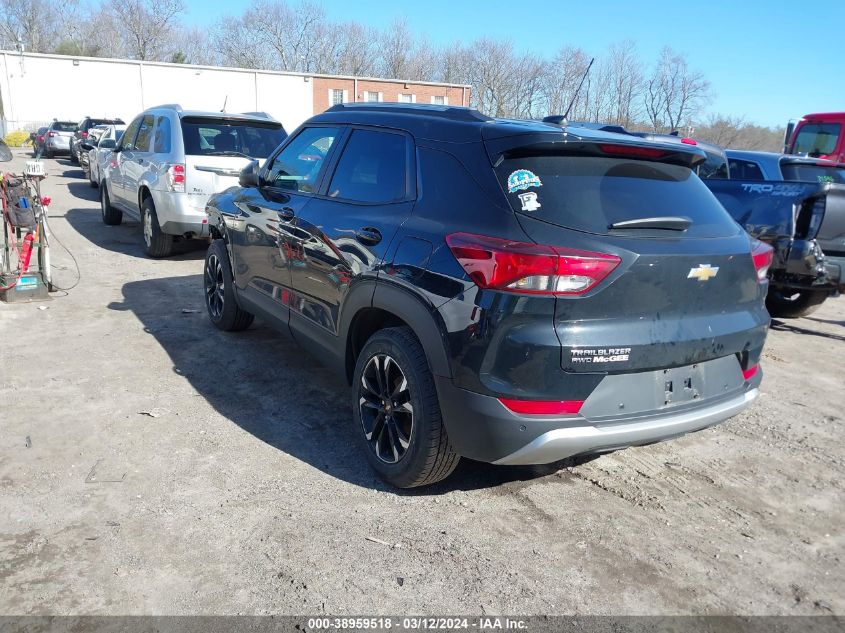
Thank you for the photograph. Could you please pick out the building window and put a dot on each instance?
(337, 96)
(439, 100)
(372, 97)
(406, 98)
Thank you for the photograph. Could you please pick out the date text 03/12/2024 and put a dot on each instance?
(420, 623)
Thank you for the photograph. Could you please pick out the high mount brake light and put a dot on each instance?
(762, 255)
(526, 268)
(543, 407)
(633, 150)
(689, 141)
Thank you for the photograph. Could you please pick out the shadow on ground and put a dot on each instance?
(126, 238)
(269, 386)
(792, 326)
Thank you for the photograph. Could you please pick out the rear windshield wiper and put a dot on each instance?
(667, 223)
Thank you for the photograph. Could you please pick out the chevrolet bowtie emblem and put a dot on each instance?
(703, 272)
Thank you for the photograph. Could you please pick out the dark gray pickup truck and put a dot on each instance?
(805, 223)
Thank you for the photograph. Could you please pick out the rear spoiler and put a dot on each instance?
(570, 142)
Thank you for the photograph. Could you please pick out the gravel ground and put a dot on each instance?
(150, 464)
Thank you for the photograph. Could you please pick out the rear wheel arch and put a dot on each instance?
(395, 307)
(143, 193)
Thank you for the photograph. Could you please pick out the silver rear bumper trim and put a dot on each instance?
(587, 438)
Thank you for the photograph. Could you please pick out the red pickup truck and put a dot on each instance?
(820, 135)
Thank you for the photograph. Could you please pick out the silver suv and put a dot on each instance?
(170, 161)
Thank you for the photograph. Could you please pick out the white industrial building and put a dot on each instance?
(36, 88)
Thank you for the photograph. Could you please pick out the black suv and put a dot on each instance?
(509, 291)
(81, 133)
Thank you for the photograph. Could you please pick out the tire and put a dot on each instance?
(785, 305)
(156, 243)
(220, 300)
(91, 181)
(74, 159)
(111, 215)
(48, 153)
(411, 448)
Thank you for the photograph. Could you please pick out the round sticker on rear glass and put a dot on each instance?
(522, 179)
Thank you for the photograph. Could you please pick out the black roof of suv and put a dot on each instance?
(510, 291)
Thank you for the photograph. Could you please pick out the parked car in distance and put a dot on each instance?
(170, 161)
(491, 291)
(57, 138)
(88, 143)
(817, 135)
(98, 156)
(38, 141)
(82, 130)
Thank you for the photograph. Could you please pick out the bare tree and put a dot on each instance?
(560, 79)
(395, 49)
(31, 25)
(358, 53)
(625, 78)
(673, 92)
(147, 26)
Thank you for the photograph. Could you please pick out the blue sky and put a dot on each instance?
(767, 60)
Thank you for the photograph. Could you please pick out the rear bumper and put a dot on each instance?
(482, 428)
(181, 213)
(561, 443)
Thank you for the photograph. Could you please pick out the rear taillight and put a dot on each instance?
(749, 373)
(176, 178)
(543, 407)
(83, 134)
(51, 134)
(528, 268)
(762, 254)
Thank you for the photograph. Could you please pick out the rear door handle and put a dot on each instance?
(285, 214)
(368, 235)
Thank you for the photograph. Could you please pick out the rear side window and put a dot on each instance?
(589, 193)
(372, 168)
(817, 139)
(229, 137)
(745, 170)
(298, 165)
(813, 173)
(161, 139)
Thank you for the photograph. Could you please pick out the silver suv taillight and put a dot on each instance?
(176, 178)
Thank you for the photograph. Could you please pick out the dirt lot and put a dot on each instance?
(151, 464)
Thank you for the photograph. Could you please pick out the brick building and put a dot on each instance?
(331, 90)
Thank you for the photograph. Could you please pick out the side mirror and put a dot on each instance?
(108, 143)
(249, 175)
(117, 150)
(5, 152)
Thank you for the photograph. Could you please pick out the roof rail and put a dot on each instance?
(172, 106)
(452, 113)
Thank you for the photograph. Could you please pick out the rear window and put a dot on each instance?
(813, 173)
(221, 137)
(745, 170)
(64, 126)
(591, 193)
(817, 139)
